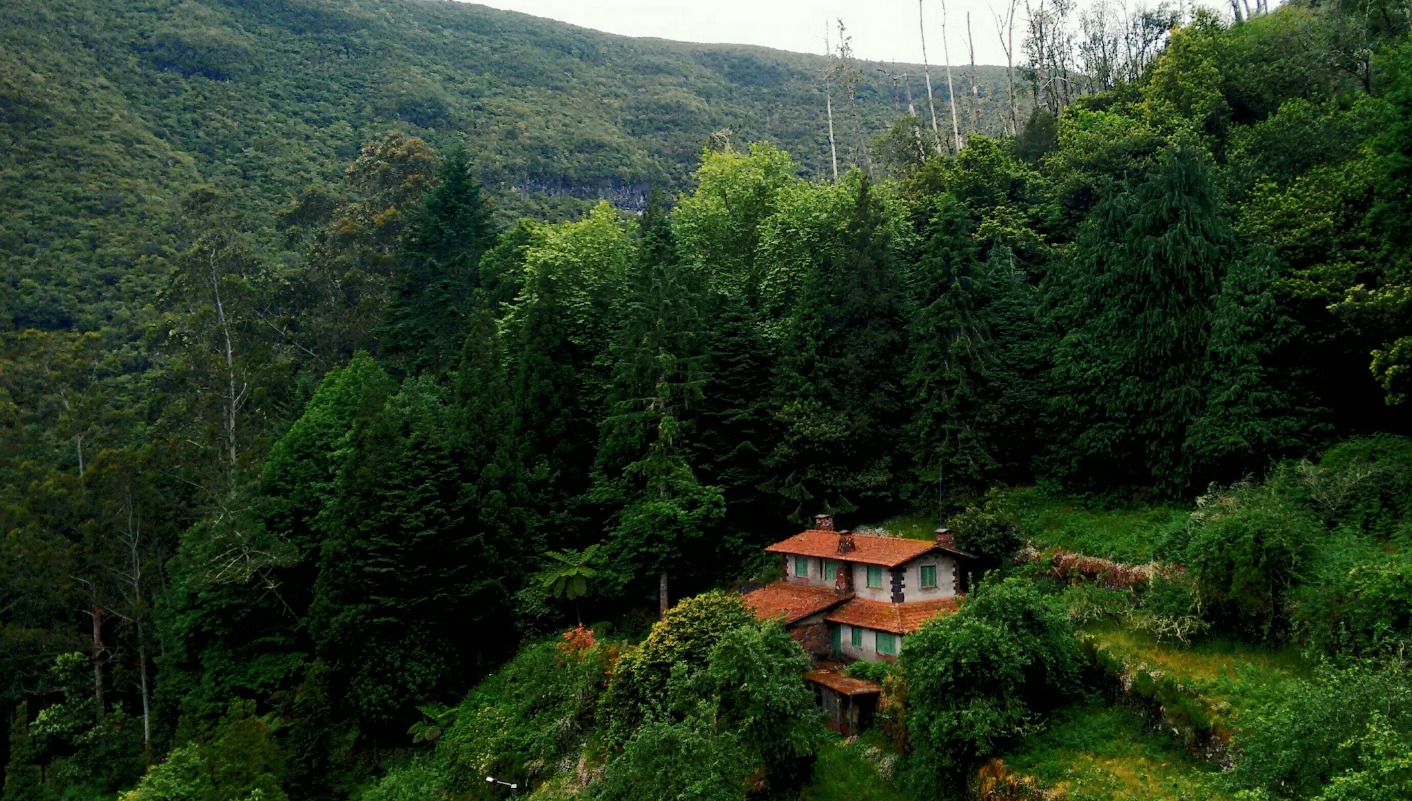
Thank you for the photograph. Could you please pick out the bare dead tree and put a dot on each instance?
(1005, 30)
(927, 71)
(851, 76)
(956, 143)
(828, 99)
(975, 90)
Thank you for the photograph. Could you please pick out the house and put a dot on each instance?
(850, 596)
(847, 597)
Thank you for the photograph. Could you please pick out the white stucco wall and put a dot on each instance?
(869, 651)
(911, 580)
(816, 572)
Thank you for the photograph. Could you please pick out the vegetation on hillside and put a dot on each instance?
(310, 450)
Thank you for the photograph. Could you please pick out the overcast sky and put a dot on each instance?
(882, 30)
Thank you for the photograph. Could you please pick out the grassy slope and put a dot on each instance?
(110, 110)
(1103, 752)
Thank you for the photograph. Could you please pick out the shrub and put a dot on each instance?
(1295, 747)
(1245, 553)
(524, 721)
(752, 685)
(685, 636)
(989, 531)
(1365, 481)
(978, 678)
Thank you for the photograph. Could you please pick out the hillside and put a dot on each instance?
(111, 110)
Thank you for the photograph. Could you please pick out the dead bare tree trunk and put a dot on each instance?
(956, 143)
(927, 71)
(975, 91)
(96, 613)
(662, 594)
(234, 398)
(133, 540)
(828, 100)
(1007, 43)
(912, 112)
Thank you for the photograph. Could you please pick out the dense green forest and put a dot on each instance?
(356, 355)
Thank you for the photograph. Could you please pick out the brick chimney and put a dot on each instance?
(845, 542)
(843, 580)
(823, 522)
(945, 538)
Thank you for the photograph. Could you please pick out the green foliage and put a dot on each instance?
(685, 636)
(569, 575)
(989, 531)
(1328, 734)
(679, 760)
(1246, 550)
(980, 678)
(750, 686)
(238, 760)
(524, 720)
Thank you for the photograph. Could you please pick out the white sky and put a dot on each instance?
(882, 30)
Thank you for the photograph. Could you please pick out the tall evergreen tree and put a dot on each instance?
(660, 511)
(1253, 411)
(424, 323)
(1131, 316)
(403, 575)
(840, 381)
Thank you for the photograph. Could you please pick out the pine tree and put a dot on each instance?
(1252, 413)
(1131, 317)
(425, 320)
(403, 571)
(951, 355)
(659, 510)
(839, 385)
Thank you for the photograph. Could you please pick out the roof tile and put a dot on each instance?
(868, 549)
(792, 601)
(903, 618)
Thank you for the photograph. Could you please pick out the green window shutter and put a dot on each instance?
(855, 636)
(887, 643)
(928, 576)
(801, 566)
(830, 570)
(837, 639)
(874, 577)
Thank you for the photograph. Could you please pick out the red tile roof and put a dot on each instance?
(897, 618)
(791, 601)
(832, 676)
(885, 551)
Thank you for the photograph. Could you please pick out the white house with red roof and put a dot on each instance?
(854, 596)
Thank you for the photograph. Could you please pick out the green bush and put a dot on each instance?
(1245, 553)
(684, 636)
(1365, 482)
(1295, 747)
(978, 679)
(520, 723)
(990, 531)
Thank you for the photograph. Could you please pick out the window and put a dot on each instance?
(855, 636)
(830, 570)
(887, 643)
(874, 577)
(928, 577)
(801, 566)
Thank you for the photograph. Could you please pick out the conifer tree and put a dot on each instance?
(660, 512)
(1253, 412)
(403, 575)
(839, 383)
(1132, 315)
(425, 320)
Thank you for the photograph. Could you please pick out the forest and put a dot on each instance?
(358, 427)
